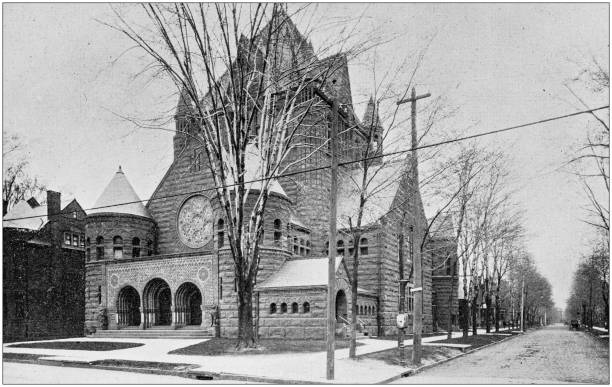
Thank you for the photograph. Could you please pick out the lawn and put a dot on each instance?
(429, 355)
(78, 345)
(474, 341)
(224, 346)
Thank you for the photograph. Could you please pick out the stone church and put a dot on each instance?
(166, 265)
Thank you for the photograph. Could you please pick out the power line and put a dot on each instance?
(287, 174)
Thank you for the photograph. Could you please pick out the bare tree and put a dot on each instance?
(17, 184)
(249, 81)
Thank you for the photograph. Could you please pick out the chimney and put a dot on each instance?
(54, 205)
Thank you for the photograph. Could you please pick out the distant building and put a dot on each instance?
(43, 270)
(442, 246)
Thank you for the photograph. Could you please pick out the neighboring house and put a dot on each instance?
(167, 265)
(43, 270)
(442, 245)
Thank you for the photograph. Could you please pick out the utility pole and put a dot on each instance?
(523, 304)
(417, 321)
(331, 267)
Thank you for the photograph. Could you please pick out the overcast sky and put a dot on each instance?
(67, 81)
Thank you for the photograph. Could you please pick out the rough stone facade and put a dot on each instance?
(146, 290)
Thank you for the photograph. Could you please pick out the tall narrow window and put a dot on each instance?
(67, 239)
(306, 307)
(117, 247)
(296, 246)
(99, 248)
(294, 307)
(220, 288)
(135, 247)
(351, 248)
(99, 294)
(149, 247)
(363, 246)
(278, 234)
(272, 308)
(220, 233)
(87, 250)
(340, 247)
(283, 308)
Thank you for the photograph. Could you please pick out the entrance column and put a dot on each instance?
(172, 316)
(142, 310)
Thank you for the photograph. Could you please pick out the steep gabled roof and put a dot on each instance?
(119, 191)
(29, 215)
(382, 189)
(300, 273)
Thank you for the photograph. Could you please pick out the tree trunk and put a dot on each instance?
(497, 306)
(464, 312)
(246, 331)
(449, 326)
(475, 314)
(488, 304)
(354, 308)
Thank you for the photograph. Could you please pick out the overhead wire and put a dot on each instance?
(344, 163)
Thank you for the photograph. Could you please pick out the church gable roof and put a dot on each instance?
(300, 273)
(384, 184)
(119, 197)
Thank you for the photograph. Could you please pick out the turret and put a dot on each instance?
(371, 122)
(183, 117)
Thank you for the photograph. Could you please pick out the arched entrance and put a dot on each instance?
(128, 307)
(157, 303)
(188, 305)
(341, 306)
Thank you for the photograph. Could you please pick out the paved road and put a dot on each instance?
(547, 356)
(20, 373)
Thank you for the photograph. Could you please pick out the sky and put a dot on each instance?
(70, 81)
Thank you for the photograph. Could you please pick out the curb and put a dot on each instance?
(415, 371)
(199, 375)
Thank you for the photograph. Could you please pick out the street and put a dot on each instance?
(19, 373)
(547, 356)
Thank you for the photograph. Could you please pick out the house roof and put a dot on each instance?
(25, 216)
(300, 273)
(381, 190)
(118, 191)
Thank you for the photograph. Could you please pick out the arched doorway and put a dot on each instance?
(128, 307)
(157, 303)
(188, 305)
(341, 306)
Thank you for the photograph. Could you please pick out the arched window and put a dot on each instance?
(220, 233)
(360, 309)
(278, 234)
(294, 307)
(135, 247)
(99, 248)
(283, 308)
(117, 247)
(340, 247)
(272, 308)
(363, 246)
(351, 248)
(306, 307)
(149, 247)
(87, 250)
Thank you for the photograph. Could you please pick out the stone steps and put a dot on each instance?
(153, 333)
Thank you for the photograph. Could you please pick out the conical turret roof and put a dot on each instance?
(116, 193)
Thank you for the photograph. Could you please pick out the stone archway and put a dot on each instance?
(341, 306)
(128, 307)
(188, 305)
(157, 303)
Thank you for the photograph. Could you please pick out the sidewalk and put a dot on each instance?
(297, 367)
